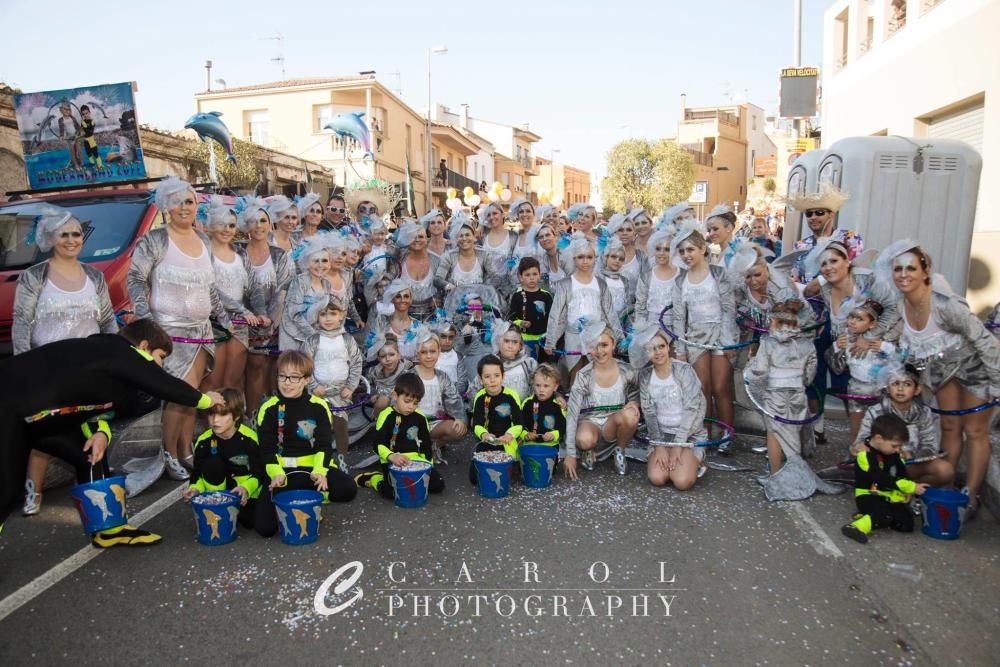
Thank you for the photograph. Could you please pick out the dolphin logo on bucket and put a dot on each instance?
(535, 468)
(99, 500)
(302, 520)
(213, 519)
(283, 520)
(496, 478)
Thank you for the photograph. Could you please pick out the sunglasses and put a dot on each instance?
(366, 209)
(334, 209)
(812, 213)
(71, 235)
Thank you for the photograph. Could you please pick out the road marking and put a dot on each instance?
(816, 536)
(48, 579)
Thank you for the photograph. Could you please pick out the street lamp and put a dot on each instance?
(428, 178)
(552, 164)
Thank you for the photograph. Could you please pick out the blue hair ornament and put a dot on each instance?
(563, 242)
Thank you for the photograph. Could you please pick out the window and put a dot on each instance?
(409, 143)
(505, 179)
(518, 183)
(322, 113)
(259, 127)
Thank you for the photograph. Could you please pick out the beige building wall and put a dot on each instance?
(719, 132)
(296, 110)
(880, 77)
(571, 183)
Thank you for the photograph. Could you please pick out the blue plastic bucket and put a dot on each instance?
(494, 478)
(101, 503)
(215, 514)
(537, 464)
(298, 516)
(410, 484)
(942, 518)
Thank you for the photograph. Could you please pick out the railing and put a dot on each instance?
(453, 179)
(700, 157)
(527, 163)
(721, 116)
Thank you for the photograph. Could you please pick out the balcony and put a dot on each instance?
(723, 117)
(452, 179)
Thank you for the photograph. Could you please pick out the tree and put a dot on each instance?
(653, 175)
(245, 174)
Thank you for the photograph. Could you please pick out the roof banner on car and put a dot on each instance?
(79, 136)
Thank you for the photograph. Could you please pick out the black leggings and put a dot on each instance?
(885, 514)
(68, 446)
(384, 488)
(481, 447)
(340, 489)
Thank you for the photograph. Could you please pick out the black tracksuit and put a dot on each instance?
(225, 464)
(408, 435)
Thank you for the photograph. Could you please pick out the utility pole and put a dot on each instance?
(797, 51)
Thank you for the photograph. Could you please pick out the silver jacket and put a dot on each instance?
(866, 286)
(560, 305)
(693, 403)
(295, 324)
(268, 299)
(450, 398)
(921, 423)
(356, 359)
(678, 314)
(147, 254)
(579, 397)
(783, 365)
(29, 288)
(449, 261)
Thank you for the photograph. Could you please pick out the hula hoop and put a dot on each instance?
(602, 408)
(675, 337)
(730, 434)
(968, 411)
(567, 353)
(856, 397)
(992, 325)
(352, 406)
(200, 341)
(474, 307)
(742, 317)
(778, 418)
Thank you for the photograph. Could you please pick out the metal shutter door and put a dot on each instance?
(965, 125)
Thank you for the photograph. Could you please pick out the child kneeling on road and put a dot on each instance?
(881, 487)
(296, 439)
(227, 457)
(401, 435)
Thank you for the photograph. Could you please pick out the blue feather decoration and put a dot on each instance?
(602, 242)
(202, 214)
(563, 242)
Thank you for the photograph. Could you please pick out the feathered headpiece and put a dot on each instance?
(811, 262)
(50, 219)
(385, 306)
(457, 301)
(170, 192)
(427, 217)
(659, 237)
(636, 213)
(895, 369)
(516, 204)
(304, 202)
(483, 211)
(456, 223)
(277, 206)
(670, 215)
(497, 331)
(684, 230)
(374, 343)
(217, 213)
(410, 342)
(638, 350)
(575, 210)
(542, 211)
(578, 242)
(745, 257)
(886, 259)
(590, 335)
(405, 233)
(310, 247)
(615, 223)
(249, 213)
(829, 197)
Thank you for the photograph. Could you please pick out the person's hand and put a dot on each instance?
(632, 408)
(628, 203)
(277, 482)
(560, 401)
(189, 493)
(920, 489)
(569, 467)
(842, 342)
(96, 444)
(856, 448)
(346, 393)
(252, 319)
(319, 480)
(456, 426)
(549, 349)
(860, 347)
(505, 439)
(398, 459)
(216, 398)
(681, 357)
(242, 493)
(265, 321)
(320, 391)
(449, 287)
(811, 289)
(548, 437)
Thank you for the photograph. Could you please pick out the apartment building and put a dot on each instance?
(922, 68)
(571, 183)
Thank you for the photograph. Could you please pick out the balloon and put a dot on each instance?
(505, 195)
(454, 204)
(543, 196)
(468, 191)
(452, 193)
(497, 187)
(474, 201)
(556, 199)
(492, 196)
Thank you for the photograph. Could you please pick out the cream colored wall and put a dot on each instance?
(942, 57)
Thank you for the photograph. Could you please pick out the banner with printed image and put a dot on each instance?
(79, 136)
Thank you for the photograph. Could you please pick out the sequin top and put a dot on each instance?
(181, 286)
(231, 278)
(702, 300)
(60, 314)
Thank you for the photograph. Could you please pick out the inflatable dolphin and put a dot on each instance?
(350, 125)
(210, 126)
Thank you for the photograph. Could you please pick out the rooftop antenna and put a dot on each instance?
(398, 88)
(280, 58)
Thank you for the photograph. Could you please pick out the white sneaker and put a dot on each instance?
(342, 464)
(621, 465)
(587, 459)
(437, 454)
(32, 500)
(175, 470)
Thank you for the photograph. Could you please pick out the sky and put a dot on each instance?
(584, 74)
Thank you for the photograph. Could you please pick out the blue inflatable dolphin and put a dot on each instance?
(351, 125)
(211, 126)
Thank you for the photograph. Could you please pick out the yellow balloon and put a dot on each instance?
(497, 187)
(452, 193)
(543, 197)
(468, 191)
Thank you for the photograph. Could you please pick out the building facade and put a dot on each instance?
(922, 68)
(572, 184)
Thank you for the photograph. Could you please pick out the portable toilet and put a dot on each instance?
(899, 187)
(801, 179)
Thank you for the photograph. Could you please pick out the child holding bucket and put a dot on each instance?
(881, 486)
(902, 398)
(401, 435)
(296, 439)
(543, 419)
(227, 457)
(337, 361)
(496, 413)
(441, 402)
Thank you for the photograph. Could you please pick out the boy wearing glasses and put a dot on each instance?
(296, 438)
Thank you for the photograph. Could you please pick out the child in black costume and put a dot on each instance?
(496, 412)
(227, 457)
(296, 439)
(543, 420)
(881, 488)
(402, 435)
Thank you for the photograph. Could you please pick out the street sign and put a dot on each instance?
(699, 194)
(799, 86)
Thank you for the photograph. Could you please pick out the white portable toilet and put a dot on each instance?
(899, 187)
(801, 179)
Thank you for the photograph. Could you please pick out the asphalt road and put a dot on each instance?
(714, 576)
